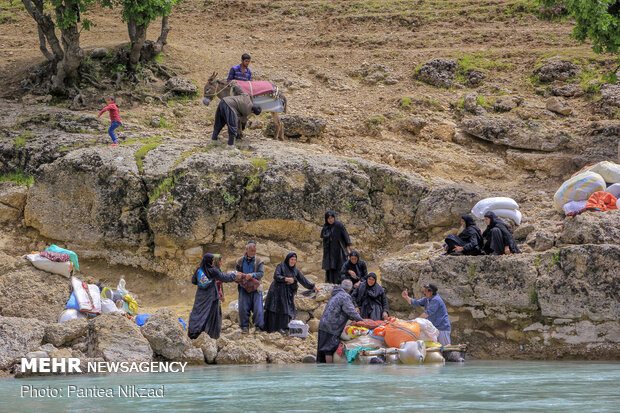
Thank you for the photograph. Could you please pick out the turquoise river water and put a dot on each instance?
(476, 386)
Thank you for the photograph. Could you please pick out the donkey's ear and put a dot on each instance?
(213, 76)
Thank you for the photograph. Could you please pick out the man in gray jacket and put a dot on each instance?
(230, 111)
(338, 311)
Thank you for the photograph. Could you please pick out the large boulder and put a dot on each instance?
(167, 337)
(516, 133)
(246, 351)
(115, 338)
(557, 70)
(592, 228)
(181, 86)
(64, 334)
(610, 99)
(208, 346)
(12, 201)
(29, 292)
(18, 336)
(438, 72)
(102, 199)
(304, 303)
(296, 126)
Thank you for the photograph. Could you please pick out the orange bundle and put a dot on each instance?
(379, 331)
(603, 201)
(398, 332)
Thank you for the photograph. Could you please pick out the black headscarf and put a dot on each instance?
(373, 275)
(354, 253)
(207, 262)
(328, 214)
(469, 220)
(287, 259)
(494, 219)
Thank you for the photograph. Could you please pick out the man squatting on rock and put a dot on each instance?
(230, 111)
(338, 311)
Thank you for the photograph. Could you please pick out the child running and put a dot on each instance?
(115, 118)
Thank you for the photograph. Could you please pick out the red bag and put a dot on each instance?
(369, 323)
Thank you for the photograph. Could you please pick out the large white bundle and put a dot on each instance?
(512, 214)
(574, 206)
(578, 188)
(491, 204)
(608, 170)
(428, 331)
(42, 263)
(108, 306)
(614, 190)
(88, 296)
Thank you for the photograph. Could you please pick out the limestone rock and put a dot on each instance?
(566, 90)
(413, 125)
(505, 104)
(516, 133)
(303, 315)
(102, 198)
(296, 126)
(208, 346)
(115, 338)
(474, 78)
(18, 336)
(559, 105)
(313, 325)
(99, 53)
(610, 99)
(318, 313)
(166, 335)
(557, 70)
(592, 228)
(181, 86)
(438, 72)
(304, 303)
(62, 334)
(325, 293)
(249, 351)
(13, 195)
(43, 296)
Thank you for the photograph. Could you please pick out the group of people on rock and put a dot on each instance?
(495, 240)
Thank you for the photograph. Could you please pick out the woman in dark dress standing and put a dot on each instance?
(336, 247)
(370, 299)
(207, 312)
(280, 302)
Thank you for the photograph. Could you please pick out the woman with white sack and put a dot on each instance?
(497, 239)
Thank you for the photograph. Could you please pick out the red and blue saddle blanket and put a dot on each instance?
(263, 94)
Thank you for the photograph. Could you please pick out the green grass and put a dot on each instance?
(556, 257)
(261, 164)
(165, 187)
(21, 140)
(141, 153)
(482, 61)
(228, 198)
(405, 103)
(389, 188)
(148, 139)
(472, 271)
(18, 177)
(482, 102)
(348, 206)
(534, 297)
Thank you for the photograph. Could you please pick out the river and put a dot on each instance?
(515, 386)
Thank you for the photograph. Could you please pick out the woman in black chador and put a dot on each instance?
(207, 312)
(336, 247)
(468, 242)
(497, 239)
(280, 302)
(370, 299)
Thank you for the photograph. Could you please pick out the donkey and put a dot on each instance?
(221, 89)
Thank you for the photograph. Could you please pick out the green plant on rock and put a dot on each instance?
(165, 187)
(141, 153)
(556, 257)
(348, 206)
(534, 298)
(472, 271)
(405, 103)
(389, 188)
(18, 177)
(228, 198)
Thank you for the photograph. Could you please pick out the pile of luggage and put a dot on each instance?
(594, 188)
(395, 341)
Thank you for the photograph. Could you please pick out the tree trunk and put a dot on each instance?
(162, 39)
(46, 28)
(131, 29)
(136, 47)
(68, 66)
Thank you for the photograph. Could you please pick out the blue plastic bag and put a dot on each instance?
(141, 319)
(182, 322)
(72, 303)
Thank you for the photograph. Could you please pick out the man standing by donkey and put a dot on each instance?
(250, 296)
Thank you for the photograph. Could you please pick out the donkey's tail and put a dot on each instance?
(284, 102)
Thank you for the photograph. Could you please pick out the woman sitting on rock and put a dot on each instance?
(206, 314)
(280, 302)
(370, 299)
(468, 242)
(497, 239)
(354, 269)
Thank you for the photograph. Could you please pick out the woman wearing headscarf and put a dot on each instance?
(354, 269)
(370, 299)
(468, 242)
(280, 302)
(336, 247)
(497, 238)
(206, 314)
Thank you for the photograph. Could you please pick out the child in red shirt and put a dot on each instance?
(115, 118)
